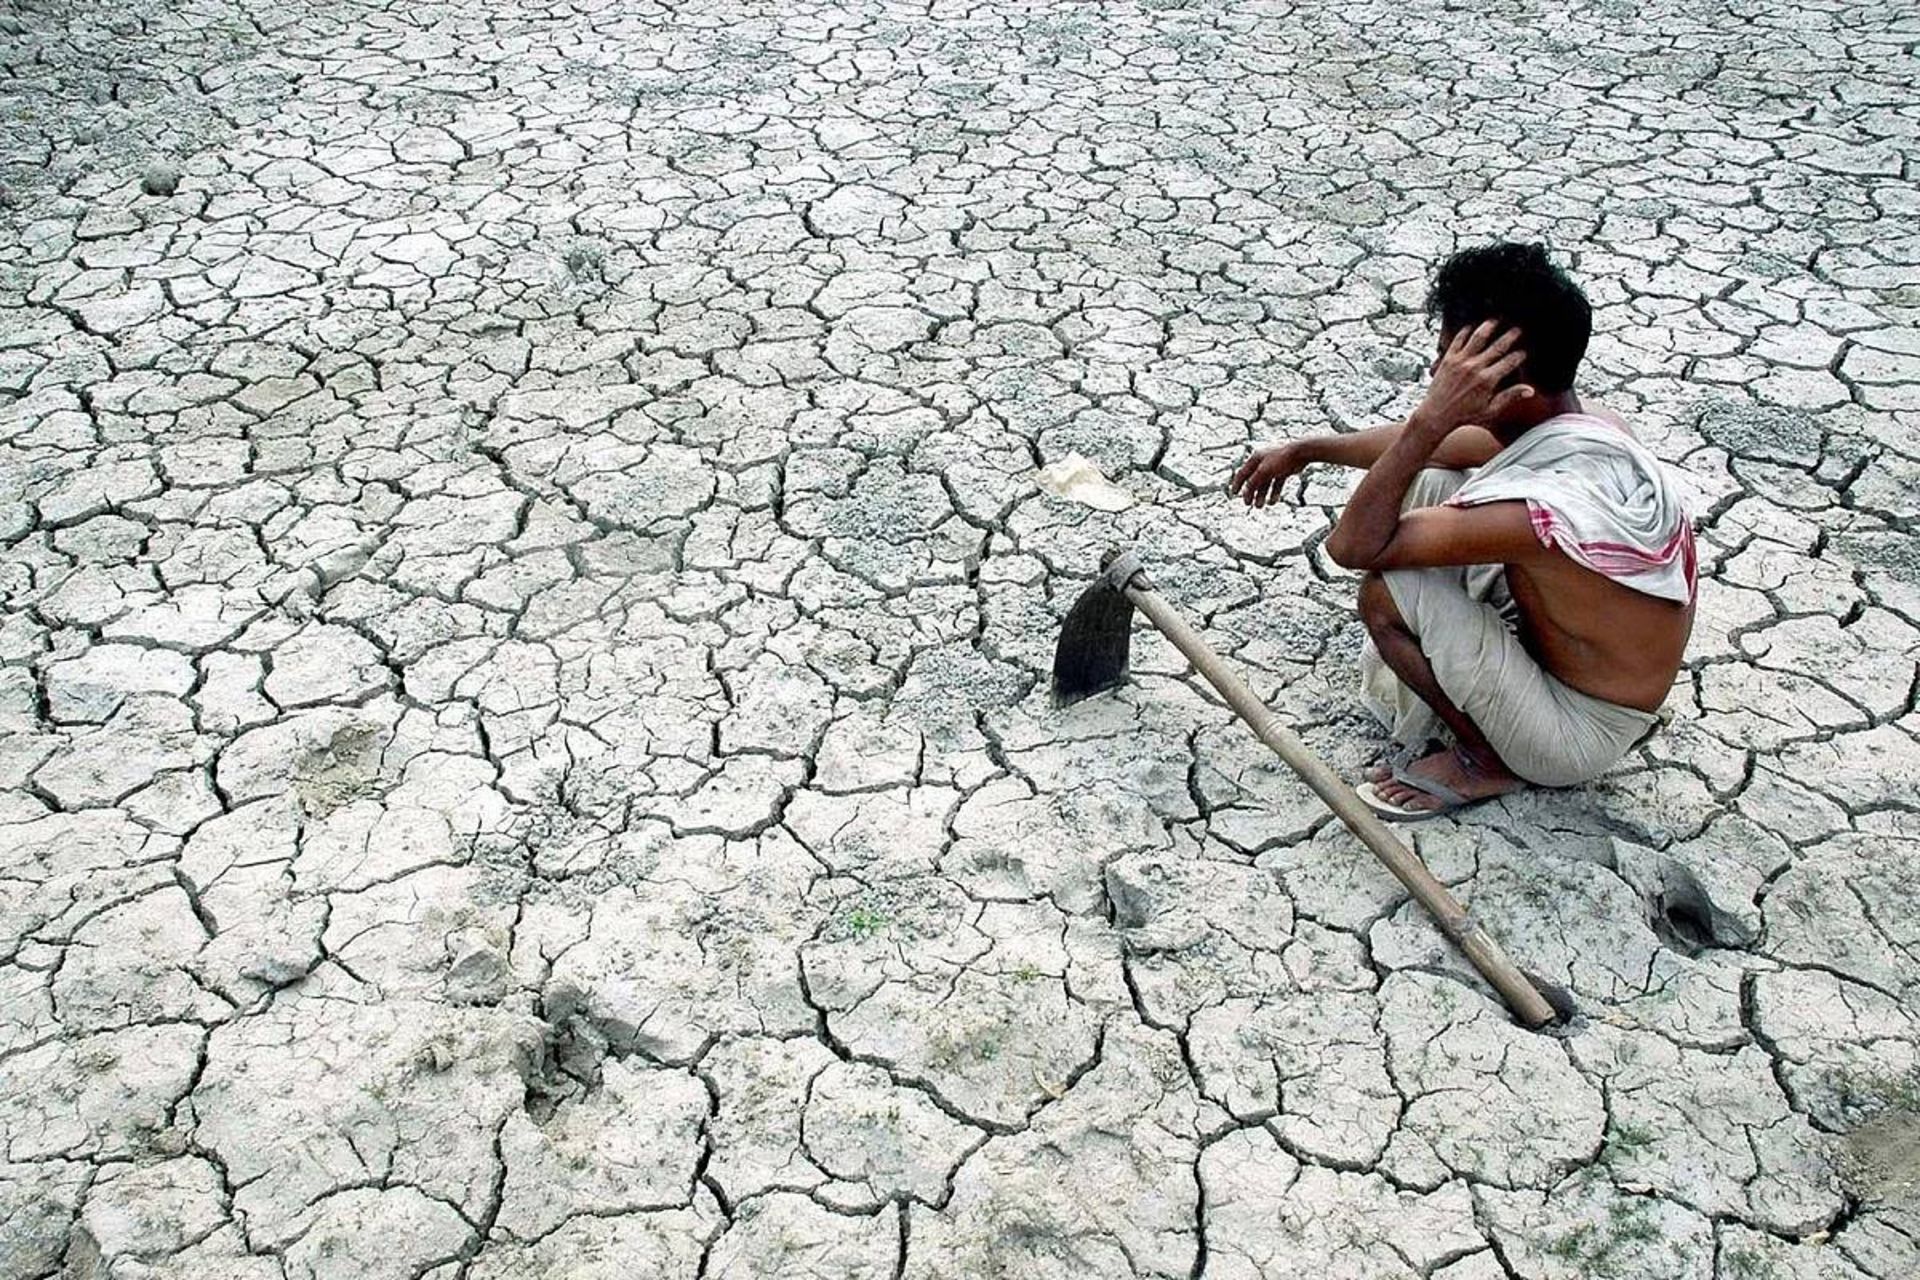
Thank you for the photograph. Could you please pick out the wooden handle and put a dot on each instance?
(1528, 1005)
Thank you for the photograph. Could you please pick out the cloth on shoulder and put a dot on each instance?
(1601, 497)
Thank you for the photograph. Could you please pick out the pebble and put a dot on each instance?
(160, 180)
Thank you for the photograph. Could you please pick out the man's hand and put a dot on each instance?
(1259, 478)
(1466, 383)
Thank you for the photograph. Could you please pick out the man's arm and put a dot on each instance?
(1260, 477)
(1465, 387)
(1495, 533)
(1463, 447)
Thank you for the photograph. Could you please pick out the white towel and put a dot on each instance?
(1601, 497)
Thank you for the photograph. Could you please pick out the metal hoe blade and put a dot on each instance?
(1097, 638)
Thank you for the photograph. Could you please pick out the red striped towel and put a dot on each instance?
(1601, 497)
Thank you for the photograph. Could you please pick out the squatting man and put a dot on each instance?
(1529, 569)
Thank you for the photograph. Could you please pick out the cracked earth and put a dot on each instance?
(524, 748)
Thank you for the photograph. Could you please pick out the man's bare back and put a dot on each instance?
(1606, 640)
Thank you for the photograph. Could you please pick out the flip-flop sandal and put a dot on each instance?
(1398, 755)
(1451, 801)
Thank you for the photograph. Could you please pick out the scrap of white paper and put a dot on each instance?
(1078, 480)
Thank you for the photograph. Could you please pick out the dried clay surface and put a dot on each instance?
(525, 606)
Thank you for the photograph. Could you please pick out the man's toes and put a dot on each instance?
(1406, 797)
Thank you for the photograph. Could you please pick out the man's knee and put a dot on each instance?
(1431, 487)
(1378, 612)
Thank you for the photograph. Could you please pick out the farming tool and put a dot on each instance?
(1092, 655)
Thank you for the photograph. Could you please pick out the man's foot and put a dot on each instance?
(1397, 756)
(1441, 782)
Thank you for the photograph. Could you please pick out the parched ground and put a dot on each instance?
(524, 746)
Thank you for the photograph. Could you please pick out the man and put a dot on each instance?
(1529, 568)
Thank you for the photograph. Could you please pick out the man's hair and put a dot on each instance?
(1517, 285)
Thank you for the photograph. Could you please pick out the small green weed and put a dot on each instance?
(1600, 1250)
(1866, 1092)
(587, 262)
(1743, 1263)
(1571, 1246)
(1625, 1138)
(863, 923)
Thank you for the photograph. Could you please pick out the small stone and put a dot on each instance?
(477, 975)
(160, 179)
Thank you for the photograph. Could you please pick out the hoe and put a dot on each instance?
(1092, 655)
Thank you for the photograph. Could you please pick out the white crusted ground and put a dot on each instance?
(525, 606)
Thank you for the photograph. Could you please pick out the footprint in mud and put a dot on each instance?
(1680, 911)
(1682, 914)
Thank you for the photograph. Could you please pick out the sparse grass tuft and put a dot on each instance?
(1571, 1246)
(586, 262)
(1600, 1250)
(1743, 1263)
(1625, 1138)
(864, 922)
(1869, 1093)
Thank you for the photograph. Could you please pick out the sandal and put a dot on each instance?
(1451, 801)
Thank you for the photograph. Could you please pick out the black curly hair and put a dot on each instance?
(1517, 284)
